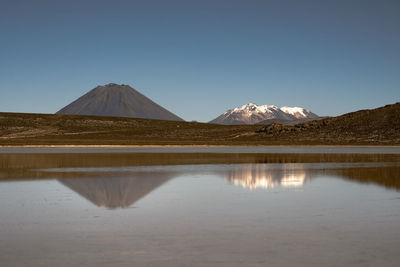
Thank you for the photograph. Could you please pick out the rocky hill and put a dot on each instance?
(381, 125)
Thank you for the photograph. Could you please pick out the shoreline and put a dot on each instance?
(195, 146)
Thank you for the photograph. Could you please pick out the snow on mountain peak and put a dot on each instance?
(295, 110)
(251, 107)
(252, 113)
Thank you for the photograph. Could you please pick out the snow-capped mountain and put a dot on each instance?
(253, 114)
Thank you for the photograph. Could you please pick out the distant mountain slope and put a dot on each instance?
(289, 122)
(383, 120)
(120, 101)
(253, 114)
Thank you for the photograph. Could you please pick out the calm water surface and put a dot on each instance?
(134, 209)
(205, 149)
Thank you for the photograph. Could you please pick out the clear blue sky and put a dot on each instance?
(200, 58)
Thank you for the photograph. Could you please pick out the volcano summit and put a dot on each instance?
(119, 101)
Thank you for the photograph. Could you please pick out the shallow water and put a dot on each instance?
(199, 210)
(205, 149)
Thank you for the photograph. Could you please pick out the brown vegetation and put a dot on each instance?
(367, 127)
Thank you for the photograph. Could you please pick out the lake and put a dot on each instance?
(198, 207)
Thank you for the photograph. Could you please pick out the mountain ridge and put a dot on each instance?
(252, 114)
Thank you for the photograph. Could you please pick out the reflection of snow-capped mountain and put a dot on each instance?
(254, 176)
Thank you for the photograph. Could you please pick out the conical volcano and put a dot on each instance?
(120, 101)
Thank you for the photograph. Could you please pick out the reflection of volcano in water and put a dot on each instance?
(254, 176)
(116, 192)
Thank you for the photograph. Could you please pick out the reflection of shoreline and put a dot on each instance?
(254, 176)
